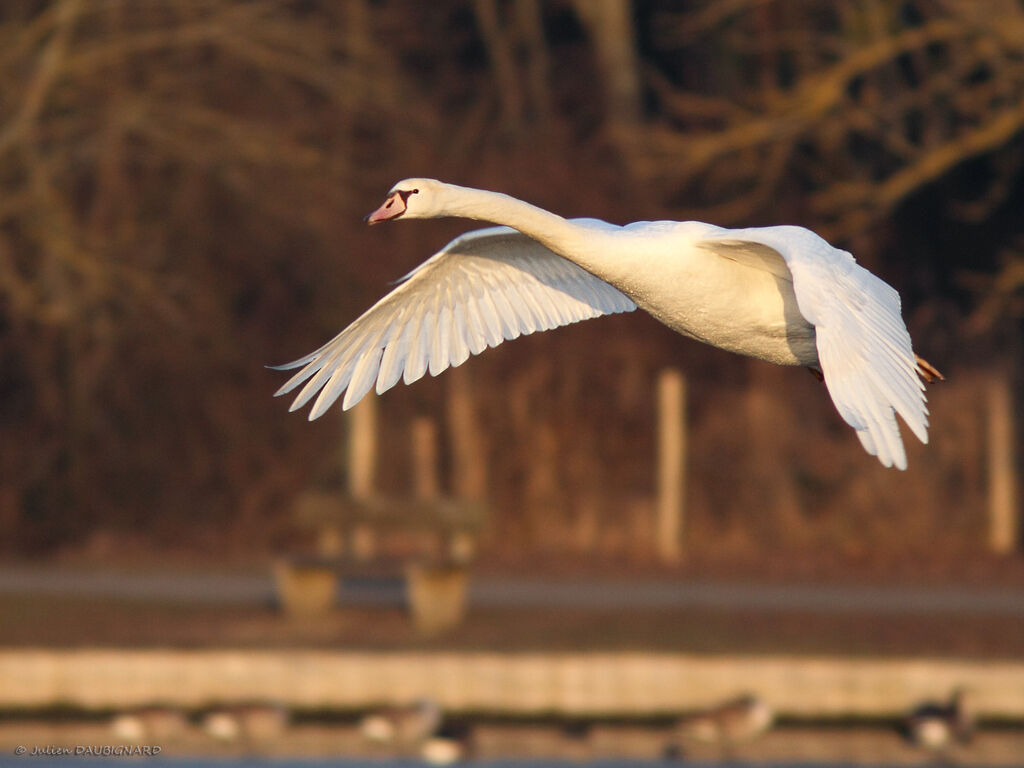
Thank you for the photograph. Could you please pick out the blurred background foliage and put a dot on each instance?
(181, 191)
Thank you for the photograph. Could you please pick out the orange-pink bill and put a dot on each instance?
(392, 208)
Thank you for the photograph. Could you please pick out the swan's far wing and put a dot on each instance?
(863, 345)
(482, 288)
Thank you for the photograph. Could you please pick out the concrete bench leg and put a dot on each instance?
(305, 590)
(436, 596)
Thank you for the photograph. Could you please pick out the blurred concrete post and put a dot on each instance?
(425, 483)
(1004, 513)
(469, 455)
(362, 448)
(469, 461)
(362, 469)
(671, 464)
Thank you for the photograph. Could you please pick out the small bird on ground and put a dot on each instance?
(156, 724)
(728, 724)
(403, 726)
(939, 726)
(254, 722)
(443, 750)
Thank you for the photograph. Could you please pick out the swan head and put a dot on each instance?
(411, 199)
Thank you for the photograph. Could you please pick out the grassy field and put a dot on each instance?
(69, 622)
(66, 621)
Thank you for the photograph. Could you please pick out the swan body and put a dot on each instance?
(780, 294)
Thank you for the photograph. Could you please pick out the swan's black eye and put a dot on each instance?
(405, 193)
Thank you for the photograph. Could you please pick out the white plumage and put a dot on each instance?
(482, 288)
(781, 294)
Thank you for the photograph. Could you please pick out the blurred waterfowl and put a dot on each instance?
(157, 724)
(780, 294)
(730, 723)
(222, 725)
(262, 721)
(252, 722)
(938, 726)
(403, 726)
(443, 750)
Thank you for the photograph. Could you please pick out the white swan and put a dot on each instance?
(780, 294)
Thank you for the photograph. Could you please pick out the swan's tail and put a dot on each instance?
(927, 371)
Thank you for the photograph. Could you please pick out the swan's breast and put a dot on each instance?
(739, 305)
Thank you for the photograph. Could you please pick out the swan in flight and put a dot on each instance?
(780, 294)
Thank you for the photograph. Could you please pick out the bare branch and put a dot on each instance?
(47, 72)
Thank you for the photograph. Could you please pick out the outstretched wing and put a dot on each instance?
(482, 288)
(863, 346)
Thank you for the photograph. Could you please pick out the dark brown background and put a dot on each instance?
(181, 193)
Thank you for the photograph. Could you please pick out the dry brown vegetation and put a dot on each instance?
(181, 184)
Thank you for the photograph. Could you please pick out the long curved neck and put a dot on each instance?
(561, 236)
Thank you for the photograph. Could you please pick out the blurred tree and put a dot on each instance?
(180, 184)
(161, 164)
(855, 106)
(610, 24)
